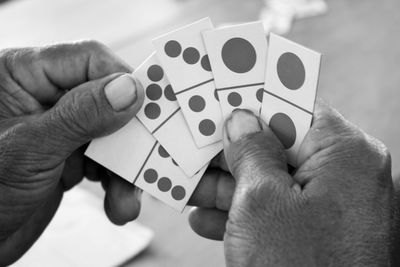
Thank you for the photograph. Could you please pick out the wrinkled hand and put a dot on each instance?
(53, 101)
(335, 210)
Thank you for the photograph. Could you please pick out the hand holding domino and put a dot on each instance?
(195, 78)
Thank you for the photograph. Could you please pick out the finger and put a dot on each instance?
(122, 201)
(328, 125)
(208, 223)
(215, 190)
(93, 170)
(74, 169)
(219, 161)
(45, 73)
(92, 110)
(254, 154)
(335, 146)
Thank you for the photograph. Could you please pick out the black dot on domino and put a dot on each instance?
(205, 63)
(291, 71)
(155, 73)
(197, 103)
(284, 128)
(153, 92)
(150, 176)
(173, 48)
(239, 55)
(191, 55)
(174, 162)
(234, 99)
(152, 111)
(207, 127)
(164, 184)
(216, 95)
(169, 93)
(162, 152)
(260, 94)
(178, 192)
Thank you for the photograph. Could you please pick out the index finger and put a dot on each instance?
(47, 72)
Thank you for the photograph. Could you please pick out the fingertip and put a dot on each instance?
(123, 201)
(208, 223)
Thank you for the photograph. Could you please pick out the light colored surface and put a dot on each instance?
(80, 236)
(359, 40)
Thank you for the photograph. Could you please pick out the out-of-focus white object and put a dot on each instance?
(278, 15)
(81, 235)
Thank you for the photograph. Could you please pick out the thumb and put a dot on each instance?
(91, 110)
(255, 156)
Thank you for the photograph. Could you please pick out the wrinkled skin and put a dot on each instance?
(335, 210)
(51, 104)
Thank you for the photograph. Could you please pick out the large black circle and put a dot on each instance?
(173, 48)
(152, 111)
(153, 92)
(197, 103)
(191, 55)
(284, 128)
(155, 73)
(239, 55)
(291, 71)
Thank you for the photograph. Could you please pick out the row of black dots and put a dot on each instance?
(164, 184)
(190, 55)
(154, 92)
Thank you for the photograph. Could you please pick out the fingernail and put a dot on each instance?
(121, 92)
(241, 123)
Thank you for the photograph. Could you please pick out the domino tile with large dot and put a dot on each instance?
(292, 72)
(289, 123)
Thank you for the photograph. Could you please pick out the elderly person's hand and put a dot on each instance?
(53, 101)
(335, 210)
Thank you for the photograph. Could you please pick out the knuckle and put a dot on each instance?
(70, 119)
(14, 58)
(378, 156)
(102, 59)
(93, 45)
(369, 156)
(8, 60)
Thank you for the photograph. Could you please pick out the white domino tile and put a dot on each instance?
(183, 55)
(289, 123)
(241, 98)
(292, 72)
(166, 181)
(163, 117)
(238, 59)
(135, 155)
(121, 152)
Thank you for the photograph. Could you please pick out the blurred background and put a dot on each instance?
(360, 76)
